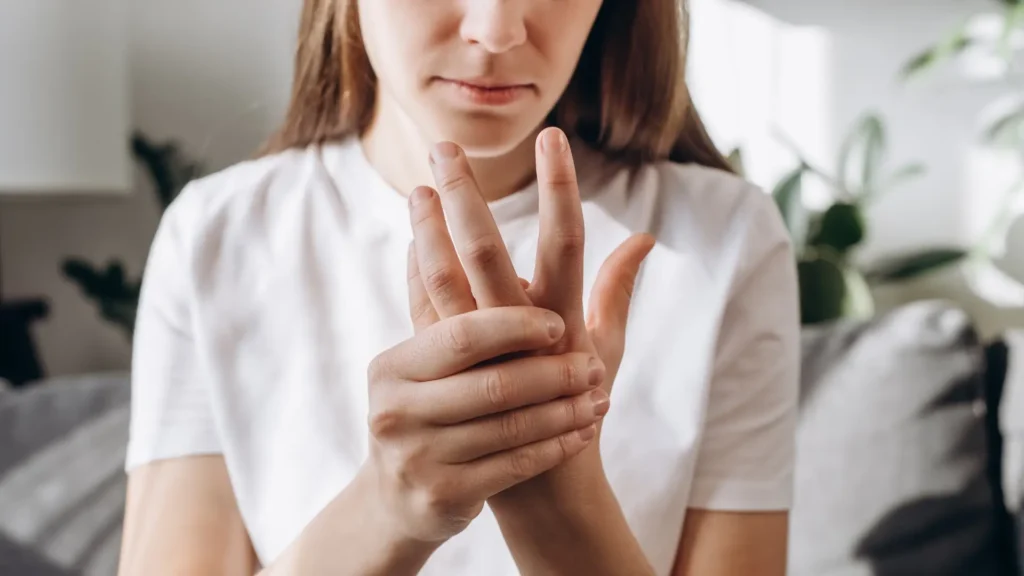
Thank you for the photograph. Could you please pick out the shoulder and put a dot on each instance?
(238, 190)
(718, 204)
(725, 222)
(233, 213)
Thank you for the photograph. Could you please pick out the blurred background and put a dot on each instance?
(891, 133)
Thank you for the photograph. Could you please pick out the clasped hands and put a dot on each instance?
(505, 381)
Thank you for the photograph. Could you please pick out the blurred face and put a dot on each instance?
(481, 73)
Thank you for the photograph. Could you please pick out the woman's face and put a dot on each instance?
(481, 73)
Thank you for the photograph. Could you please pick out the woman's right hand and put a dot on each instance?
(450, 428)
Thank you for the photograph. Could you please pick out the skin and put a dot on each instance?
(451, 412)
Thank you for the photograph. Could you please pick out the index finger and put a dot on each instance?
(492, 277)
(558, 279)
(421, 309)
(458, 343)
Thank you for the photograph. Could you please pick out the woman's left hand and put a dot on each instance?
(489, 279)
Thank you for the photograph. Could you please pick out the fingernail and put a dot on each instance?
(601, 402)
(587, 434)
(595, 371)
(443, 152)
(554, 141)
(420, 194)
(556, 326)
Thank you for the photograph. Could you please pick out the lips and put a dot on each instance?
(488, 91)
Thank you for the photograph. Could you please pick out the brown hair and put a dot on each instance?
(628, 97)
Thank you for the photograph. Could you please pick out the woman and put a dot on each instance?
(332, 378)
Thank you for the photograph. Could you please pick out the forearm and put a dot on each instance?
(350, 537)
(549, 532)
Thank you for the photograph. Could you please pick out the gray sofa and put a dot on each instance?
(900, 466)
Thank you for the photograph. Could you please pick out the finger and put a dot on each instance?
(499, 472)
(482, 437)
(608, 312)
(455, 344)
(479, 244)
(421, 310)
(524, 283)
(558, 281)
(442, 275)
(498, 388)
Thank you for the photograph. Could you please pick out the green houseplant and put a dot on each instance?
(115, 294)
(832, 283)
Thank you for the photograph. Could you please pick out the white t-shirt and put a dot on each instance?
(271, 285)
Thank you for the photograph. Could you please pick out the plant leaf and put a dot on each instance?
(950, 48)
(875, 145)
(788, 195)
(1011, 22)
(916, 264)
(903, 175)
(822, 289)
(168, 168)
(735, 160)
(866, 143)
(1008, 129)
(841, 228)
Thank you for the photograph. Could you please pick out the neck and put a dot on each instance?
(399, 152)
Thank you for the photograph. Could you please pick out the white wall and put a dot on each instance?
(812, 67)
(214, 75)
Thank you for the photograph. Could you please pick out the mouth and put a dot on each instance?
(487, 92)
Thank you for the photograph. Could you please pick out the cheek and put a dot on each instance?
(561, 33)
(400, 36)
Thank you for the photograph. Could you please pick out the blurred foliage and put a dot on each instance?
(832, 285)
(114, 293)
(1007, 130)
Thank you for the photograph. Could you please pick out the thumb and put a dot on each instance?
(609, 301)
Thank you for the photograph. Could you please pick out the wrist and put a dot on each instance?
(575, 492)
(397, 546)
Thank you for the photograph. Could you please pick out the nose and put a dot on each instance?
(494, 25)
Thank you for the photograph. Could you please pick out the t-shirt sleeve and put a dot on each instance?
(746, 455)
(171, 414)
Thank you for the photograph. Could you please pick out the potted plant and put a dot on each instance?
(832, 283)
(114, 293)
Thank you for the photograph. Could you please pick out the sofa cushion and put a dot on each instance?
(892, 467)
(62, 481)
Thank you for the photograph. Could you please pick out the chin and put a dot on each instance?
(485, 136)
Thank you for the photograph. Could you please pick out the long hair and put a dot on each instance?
(628, 97)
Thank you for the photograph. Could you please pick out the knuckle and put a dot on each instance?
(439, 279)
(568, 376)
(523, 465)
(563, 176)
(456, 337)
(570, 240)
(564, 448)
(385, 421)
(421, 216)
(484, 252)
(528, 326)
(421, 312)
(496, 388)
(454, 180)
(513, 428)
(572, 413)
(378, 371)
